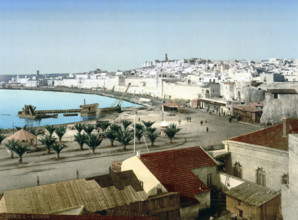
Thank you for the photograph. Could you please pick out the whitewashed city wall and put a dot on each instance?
(176, 91)
(285, 105)
(251, 157)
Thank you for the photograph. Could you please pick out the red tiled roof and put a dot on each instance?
(270, 137)
(173, 169)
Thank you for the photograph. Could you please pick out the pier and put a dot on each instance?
(30, 112)
(61, 111)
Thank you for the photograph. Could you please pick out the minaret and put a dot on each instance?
(166, 57)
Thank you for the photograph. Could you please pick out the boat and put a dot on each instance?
(70, 114)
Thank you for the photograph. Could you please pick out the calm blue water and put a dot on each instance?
(12, 101)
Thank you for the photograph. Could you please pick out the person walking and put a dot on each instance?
(207, 129)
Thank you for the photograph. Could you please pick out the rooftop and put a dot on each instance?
(61, 196)
(282, 91)
(174, 170)
(270, 137)
(252, 194)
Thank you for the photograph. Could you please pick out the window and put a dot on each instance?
(275, 95)
(209, 179)
(238, 170)
(285, 178)
(261, 177)
(239, 202)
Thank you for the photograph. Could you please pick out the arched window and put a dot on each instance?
(261, 177)
(285, 178)
(238, 170)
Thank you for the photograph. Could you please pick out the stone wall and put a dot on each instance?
(251, 157)
(285, 105)
(290, 191)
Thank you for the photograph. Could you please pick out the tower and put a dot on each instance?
(166, 57)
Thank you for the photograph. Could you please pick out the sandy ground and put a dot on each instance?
(74, 161)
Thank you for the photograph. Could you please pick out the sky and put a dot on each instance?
(71, 36)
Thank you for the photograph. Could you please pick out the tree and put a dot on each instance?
(48, 142)
(150, 130)
(103, 125)
(88, 129)
(139, 131)
(80, 139)
(58, 148)
(16, 147)
(124, 137)
(50, 129)
(79, 127)
(9, 145)
(35, 131)
(126, 123)
(115, 127)
(93, 141)
(148, 124)
(171, 131)
(111, 135)
(19, 128)
(151, 135)
(2, 137)
(60, 131)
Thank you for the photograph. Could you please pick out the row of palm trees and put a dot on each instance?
(112, 131)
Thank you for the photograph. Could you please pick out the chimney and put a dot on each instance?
(284, 127)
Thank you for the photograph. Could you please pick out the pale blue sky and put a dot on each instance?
(61, 36)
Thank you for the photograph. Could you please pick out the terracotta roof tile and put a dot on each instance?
(270, 137)
(173, 169)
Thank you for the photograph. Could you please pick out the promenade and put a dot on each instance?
(75, 163)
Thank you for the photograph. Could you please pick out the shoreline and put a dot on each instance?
(116, 95)
(133, 98)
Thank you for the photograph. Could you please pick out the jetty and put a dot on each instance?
(30, 112)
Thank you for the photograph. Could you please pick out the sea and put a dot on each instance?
(12, 101)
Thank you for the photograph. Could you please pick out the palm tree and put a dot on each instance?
(58, 148)
(126, 123)
(171, 131)
(80, 139)
(50, 129)
(48, 142)
(103, 125)
(139, 131)
(150, 129)
(115, 127)
(60, 131)
(35, 131)
(79, 127)
(124, 137)
(16, 147)
(88, 129)
(93, 141)
(2, 137)
(11, 144)
(151, 135)
(19, 128)
(148, 124)
(111, 135)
